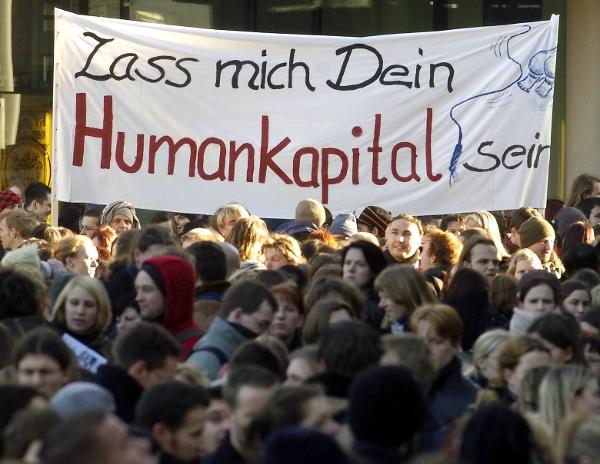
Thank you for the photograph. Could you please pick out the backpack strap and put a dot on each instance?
(188, 333)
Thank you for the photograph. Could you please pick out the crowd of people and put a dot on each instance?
(371, 338)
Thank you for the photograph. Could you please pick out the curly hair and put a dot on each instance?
(444, 247)
(286, 245)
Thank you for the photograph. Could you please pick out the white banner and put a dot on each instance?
(182, 119)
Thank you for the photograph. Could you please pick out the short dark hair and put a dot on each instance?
(44, 341)
(169, 403)
(82, 444)
(146, 342)
(348, 347)
(588, 204)
(35, 191)
(153, 234)
(93, 212)
(247, 295)
(253, 353)
(248, 376)
(211, 263)
(373, 256)
(537, 277)
(562, 330)
(18, 295)
(471, 243)
(580, 256)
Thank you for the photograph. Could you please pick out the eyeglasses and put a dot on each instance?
(88, 229)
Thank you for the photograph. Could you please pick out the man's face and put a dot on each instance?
(161, 374)
(41, 372)
(120, 223)
(594, 216)
(7, 235)
(455, 227)
(185, 443)
(41, 209)
(543, 249)
(217, 425)
(85, 262)
(259, 321)
(250, 402)
(89, 224)
(403, 239)
(442, 349)
(484, 259)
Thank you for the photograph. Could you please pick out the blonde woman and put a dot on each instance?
(78, 254)
(83, 311)
(280, 250)
(522, 261)
(248, 235)
(486, 356)
(565, 390)
(226, 217)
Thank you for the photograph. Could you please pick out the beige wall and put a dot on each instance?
(583, 89)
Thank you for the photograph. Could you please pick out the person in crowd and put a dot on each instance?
(144, 355)
(78, 254)
(564, 219)
(362, 262)
(564, 390)
(246, 391)
(248, 235)
(518, 217)
(153, 240)
(538, 235)
(503, 295)
(294, 406)
(580, 441)
(82, 310)
(453, 223)
(441, 328)
(298, 445)
(120, 215)
(90, 221)
(480, 254)
(403, 238)
(80, 397)
(165, 288)
(94, 438)
(440, 253)
(519, 354)
(289, 318)
(322, 315)
(120, 275)
(379, 397)
(579, 232)
(591, 209)
(175, 415)
(15, 227)
(103, 239)
(37, 199)
(21, 302)
(310, 211)
(211, 283)
(217, 421)
(468, 293)
(582, 258)
(486, 221)
(164, 220)
(538, 294)
(332, 288)
(246, 311)
(347, 348)
(258, 354)
(43, 361)
(495, 434)
(374, 220)
(303, 364)
(402, 289)
(584, 186)
(560, 333)
(486, 355)
(199, 234)
(522, 261)
(280, 250)
(226, 217)
(576, 298)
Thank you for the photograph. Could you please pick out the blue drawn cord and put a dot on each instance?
(458, 147)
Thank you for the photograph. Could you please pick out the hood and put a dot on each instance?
(178, 286)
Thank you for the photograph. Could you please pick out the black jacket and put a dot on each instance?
(124, 388)
(450, 394)
(225, 454)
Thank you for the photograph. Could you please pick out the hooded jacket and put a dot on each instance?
(176, 279)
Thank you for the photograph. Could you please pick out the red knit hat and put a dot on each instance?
(9, 198)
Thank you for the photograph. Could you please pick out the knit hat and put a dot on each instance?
(375, 217)
(344, 224)
(77, 398)
(386, 406)
(565, 217)
(534, 230)
(311, 211)
(295, 445)
(119, 207)
(9, 198)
